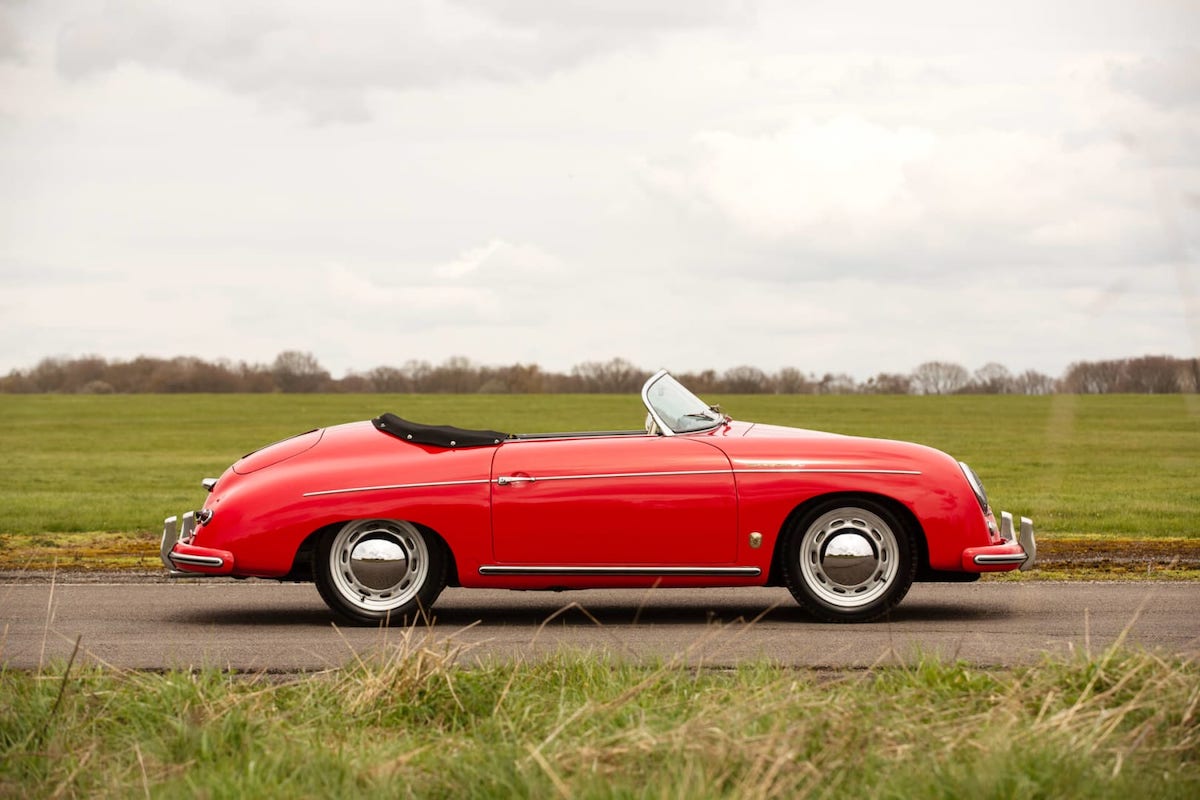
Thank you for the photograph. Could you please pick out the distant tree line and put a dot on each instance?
(294, 371)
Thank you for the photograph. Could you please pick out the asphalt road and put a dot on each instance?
(265, 626)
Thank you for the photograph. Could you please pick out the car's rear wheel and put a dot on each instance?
(373, 571)
(849, 560)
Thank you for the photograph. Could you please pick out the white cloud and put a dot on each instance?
(325, 59)
(692, 186)
(500, 260)
(887, 199)
(845, 173)
(1169, 80)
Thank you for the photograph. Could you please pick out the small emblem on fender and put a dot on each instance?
(756, 540)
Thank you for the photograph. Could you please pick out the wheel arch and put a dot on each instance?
(902, 513)
(302, 562)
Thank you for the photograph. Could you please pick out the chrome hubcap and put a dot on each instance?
(849, 557)
(379, 565)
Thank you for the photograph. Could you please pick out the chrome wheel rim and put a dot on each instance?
(849, 557)
(379, 565)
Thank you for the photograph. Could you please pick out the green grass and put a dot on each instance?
(409, 722)
(1114, 465)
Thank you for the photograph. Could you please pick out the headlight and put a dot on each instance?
(976, 486)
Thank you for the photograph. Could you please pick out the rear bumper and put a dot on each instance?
(181, 557)
(1019, 550)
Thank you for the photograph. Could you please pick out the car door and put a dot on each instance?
(638, 500)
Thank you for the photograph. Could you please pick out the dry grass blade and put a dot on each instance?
(559, 785)
(399, 669)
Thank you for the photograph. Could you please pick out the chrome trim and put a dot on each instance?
(1025, 538)
(1006, 527)
(976, 484)
(172, 536)
(508, 480)
(1012, 558)
(823, 471)
(667, 474)
(663, 428)
(169, 538)
(199, 561)
(209, 484)
(1028, 543)
(748, 572)
(387, 487)
(505, 480)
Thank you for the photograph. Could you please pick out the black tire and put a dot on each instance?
(849, 560)
(380, 571)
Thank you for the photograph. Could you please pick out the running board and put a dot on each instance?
(741, 572)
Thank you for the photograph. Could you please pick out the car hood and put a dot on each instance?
(757, 430)
(756, 445)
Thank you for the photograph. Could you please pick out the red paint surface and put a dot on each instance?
(688, 500)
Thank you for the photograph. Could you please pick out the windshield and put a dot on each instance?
(673, 409)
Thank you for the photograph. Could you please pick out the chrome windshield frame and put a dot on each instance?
(660, 419)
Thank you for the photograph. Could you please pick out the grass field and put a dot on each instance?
(413, 718)
(408, 722)
(1079, 465)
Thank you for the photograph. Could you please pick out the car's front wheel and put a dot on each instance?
(374, 571)
(849, 560)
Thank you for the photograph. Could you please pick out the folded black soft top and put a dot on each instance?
(436, 435)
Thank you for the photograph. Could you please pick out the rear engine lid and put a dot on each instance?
(280, 451)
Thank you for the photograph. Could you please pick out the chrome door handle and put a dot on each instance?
(505, 480)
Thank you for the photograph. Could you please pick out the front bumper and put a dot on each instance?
(181, 557)
(1018, 551)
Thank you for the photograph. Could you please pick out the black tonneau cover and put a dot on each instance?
(436, 435)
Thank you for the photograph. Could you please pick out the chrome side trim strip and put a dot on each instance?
(747, 572)
(199, 561)
(824, 471)
(396, 486)
(508, 480)
(1014, 558)
(505, 480)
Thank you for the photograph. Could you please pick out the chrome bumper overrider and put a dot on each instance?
(1020, 548)
(180, 558)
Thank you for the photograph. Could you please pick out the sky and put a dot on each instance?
(855, 186)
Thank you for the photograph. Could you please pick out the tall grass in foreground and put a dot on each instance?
(409, 721)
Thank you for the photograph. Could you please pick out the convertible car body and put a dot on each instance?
(383, 514)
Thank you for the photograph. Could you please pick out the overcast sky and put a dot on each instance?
(842, 186)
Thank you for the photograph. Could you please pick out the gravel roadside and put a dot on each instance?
(1091, 559)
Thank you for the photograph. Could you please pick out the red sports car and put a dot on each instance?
(383, 514)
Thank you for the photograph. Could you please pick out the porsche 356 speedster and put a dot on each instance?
(382, 515)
